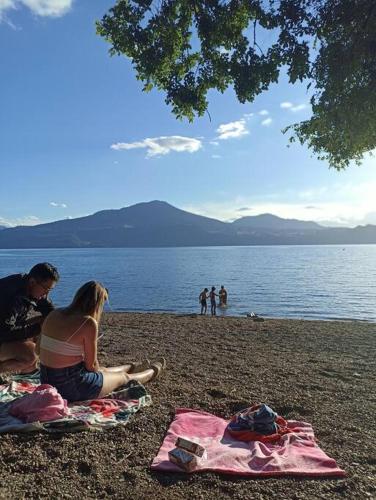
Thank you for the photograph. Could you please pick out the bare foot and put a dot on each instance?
(162, 361)
(139, 366)
(158, 368)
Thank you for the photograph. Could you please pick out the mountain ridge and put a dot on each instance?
(158, 224)
(273, 221)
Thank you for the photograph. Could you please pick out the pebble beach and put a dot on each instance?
(320, 372)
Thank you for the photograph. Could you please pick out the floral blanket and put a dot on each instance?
(96, 414)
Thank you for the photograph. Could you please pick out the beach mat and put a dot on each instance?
(96, 414)
(296, 454)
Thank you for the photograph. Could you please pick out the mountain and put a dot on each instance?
(2, 227)
(146, 224)
(269, 221)
(159, 224)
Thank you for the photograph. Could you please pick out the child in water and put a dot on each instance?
(222, 297)
(213, 303)
(202, 299)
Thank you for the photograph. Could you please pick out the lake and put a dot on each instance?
(310, 282)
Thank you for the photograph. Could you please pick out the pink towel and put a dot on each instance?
(295, 454)
(43, 404)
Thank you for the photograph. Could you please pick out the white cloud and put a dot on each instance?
(299, 107)
(232, 130)
(43, 8)
(263, 112)
(313, 194)
(293, 107)
(214, 143)
(345, 204)
(267, 122)
(247, 116)
(32, 218)
(159, 146)
(58, 205)
(4, 222)
(6, 4)
(370, 218)
(216, 156)
(28, 220)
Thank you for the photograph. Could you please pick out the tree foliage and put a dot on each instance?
(187, 47)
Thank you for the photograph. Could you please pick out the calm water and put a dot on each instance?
(314, 282)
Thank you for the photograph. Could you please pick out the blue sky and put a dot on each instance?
(78, 135)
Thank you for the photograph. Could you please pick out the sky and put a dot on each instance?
(78, 135)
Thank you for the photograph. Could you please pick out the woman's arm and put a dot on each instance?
(90, 336)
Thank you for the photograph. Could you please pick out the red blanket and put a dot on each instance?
(296, 453)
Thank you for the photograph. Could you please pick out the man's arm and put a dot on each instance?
(44, 306)
(23, 332)
(12, 328)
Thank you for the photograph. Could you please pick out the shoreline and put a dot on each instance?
(266, 318)
(321, 372)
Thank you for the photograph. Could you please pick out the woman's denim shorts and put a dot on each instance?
(74, 383)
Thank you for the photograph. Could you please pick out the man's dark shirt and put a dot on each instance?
(15, 306)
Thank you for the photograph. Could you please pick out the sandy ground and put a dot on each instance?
(320, 372)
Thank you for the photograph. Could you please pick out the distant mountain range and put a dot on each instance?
(159, 224)
(270, 222)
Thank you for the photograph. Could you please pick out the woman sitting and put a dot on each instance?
(68, 350)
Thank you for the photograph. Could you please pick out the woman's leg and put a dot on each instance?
(117, 369)
(133, 367)
(112, 380)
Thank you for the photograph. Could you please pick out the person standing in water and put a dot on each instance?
(213, 303)
(222, 297)
(202, 299)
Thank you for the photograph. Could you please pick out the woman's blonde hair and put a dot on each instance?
(89, 300)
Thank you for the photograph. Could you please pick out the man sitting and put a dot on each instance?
(20, 294)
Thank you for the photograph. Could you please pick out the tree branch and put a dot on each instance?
(255, 44)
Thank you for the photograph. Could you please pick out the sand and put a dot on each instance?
(316, 371)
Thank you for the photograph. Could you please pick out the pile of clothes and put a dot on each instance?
(258, 423)
(41, 405)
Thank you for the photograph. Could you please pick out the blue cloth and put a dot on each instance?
(261, 420)
(74, 383)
